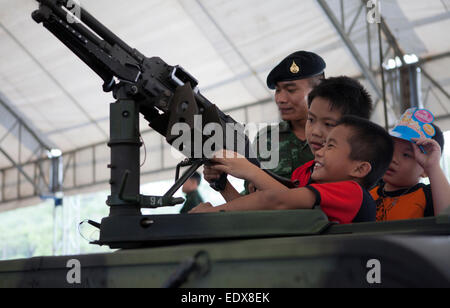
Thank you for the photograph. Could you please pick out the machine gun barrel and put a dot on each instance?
(105, 33)
(62, 9)
(91, 41)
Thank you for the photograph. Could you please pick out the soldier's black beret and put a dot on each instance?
(299, 65)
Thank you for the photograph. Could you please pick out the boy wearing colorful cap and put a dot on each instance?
(418, 147)
(345, 167)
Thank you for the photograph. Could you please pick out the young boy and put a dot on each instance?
(399, 195)
(328, 102)
(356, 154)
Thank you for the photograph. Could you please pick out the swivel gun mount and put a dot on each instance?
(165, 95)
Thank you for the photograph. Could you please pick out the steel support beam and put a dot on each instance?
(388, 40)
(434, 58)
(21, 170)
(16, 135)
(442, 118)
(351, 47)
(392, 40)
(435, 83)
(204, 19)
(422, 62)
(57, 83)
(22, 123)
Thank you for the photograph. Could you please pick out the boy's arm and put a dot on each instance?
(238, 166)
(291, 199)
(230, 193)
(430, 162)
(440, 189)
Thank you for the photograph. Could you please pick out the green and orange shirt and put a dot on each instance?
(410, 203)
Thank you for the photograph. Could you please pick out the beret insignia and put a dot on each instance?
(294, 68)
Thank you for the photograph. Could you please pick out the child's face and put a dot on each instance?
(333, 163)
(321, 120)
(404, 171)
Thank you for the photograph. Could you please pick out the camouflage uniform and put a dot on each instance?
(293, 152)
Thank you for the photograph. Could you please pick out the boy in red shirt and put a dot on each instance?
(328, 102)
(356, 154)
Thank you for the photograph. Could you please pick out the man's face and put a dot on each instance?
(333, 163)
(291, 98)
(321, 120)
(404, 171)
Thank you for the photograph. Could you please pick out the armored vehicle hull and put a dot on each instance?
(412, 253)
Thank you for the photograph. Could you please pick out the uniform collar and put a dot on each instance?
(285, 127)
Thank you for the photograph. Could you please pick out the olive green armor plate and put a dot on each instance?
(234, 250)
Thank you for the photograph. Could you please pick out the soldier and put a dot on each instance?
(292, 79)
(193, 197)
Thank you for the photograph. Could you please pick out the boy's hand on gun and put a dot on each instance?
(210, 174)
(231, 163)
(432, 156)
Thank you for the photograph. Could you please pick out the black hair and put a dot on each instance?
(371, 143)
(439, 137)
(345, 94)
(197, 177)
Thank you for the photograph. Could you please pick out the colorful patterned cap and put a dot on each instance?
(415, 123)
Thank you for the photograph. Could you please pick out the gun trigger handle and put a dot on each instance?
(220, 184)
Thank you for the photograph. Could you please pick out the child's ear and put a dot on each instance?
(361, 170)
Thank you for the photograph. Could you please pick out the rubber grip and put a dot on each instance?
(220, 184)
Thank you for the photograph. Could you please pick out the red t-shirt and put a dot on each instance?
(302, 174)
(343, 202)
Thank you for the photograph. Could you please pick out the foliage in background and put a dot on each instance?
(26, 232)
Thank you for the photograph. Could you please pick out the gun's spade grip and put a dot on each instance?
(220, 184)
